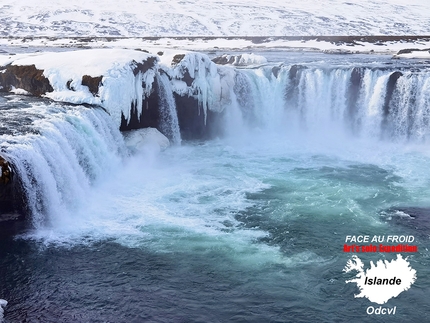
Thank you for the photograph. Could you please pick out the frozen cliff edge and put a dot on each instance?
(113, 79)
(180, 95)
(137, 89)
(185, 95)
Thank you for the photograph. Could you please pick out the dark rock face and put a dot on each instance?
(26, 77)
(353, 95)
(191, 118)
(224, 59)
(11, 203)
(294, 77)
(150, 116)
(93, 83)
(390, 89)
(177, 59)
(145, 66)
(411, 50)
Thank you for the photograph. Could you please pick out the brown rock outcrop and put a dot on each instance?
(27, 77)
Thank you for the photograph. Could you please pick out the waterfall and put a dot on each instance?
(68, 151)
(364, 102)
(168, 115)
(64, 150)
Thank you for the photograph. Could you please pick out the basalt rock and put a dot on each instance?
(11, 199)
(145, 66)
(224, 59)
(93, 83)
(411, 50)
(177, 59)
(150, 116)
(192, 122)
(27, 77)
(191, 116)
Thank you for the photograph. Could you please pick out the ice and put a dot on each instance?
(120, 86)
(145, 139)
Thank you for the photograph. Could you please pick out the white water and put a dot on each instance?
(169, 118)
(82, 186)
(76, 147)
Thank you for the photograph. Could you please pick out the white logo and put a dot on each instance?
(384, 281)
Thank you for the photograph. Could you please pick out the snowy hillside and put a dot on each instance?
(143, 18)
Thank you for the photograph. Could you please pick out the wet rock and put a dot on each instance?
(11, 198)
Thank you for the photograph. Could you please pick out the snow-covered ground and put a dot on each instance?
(221, 45)
(144, 18)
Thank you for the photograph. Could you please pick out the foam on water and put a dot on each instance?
(324, 143)
(239, 197)
(3, 304)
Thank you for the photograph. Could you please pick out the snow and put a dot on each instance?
(20, 92)
(140, 18)
(174, 45)
(425, 54)
(158, 25)
(120, 88)
(64, 71)
(141, 140)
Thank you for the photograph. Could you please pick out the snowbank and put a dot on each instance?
(413, 53)
(122, 82)
(125, 76)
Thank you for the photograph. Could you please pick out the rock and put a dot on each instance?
(11, 197)
(240, 60)
(28, 78)
(177, 59)
(409, 51)
(5, 172)
(92, 82)
(141, 140)
(145, 66)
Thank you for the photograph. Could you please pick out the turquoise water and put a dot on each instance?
(250, 229)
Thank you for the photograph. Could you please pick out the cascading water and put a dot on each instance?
(217, 224)
(76, 146)
(358, 101)
(169, 118)
(261, 97)
(67, 150)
